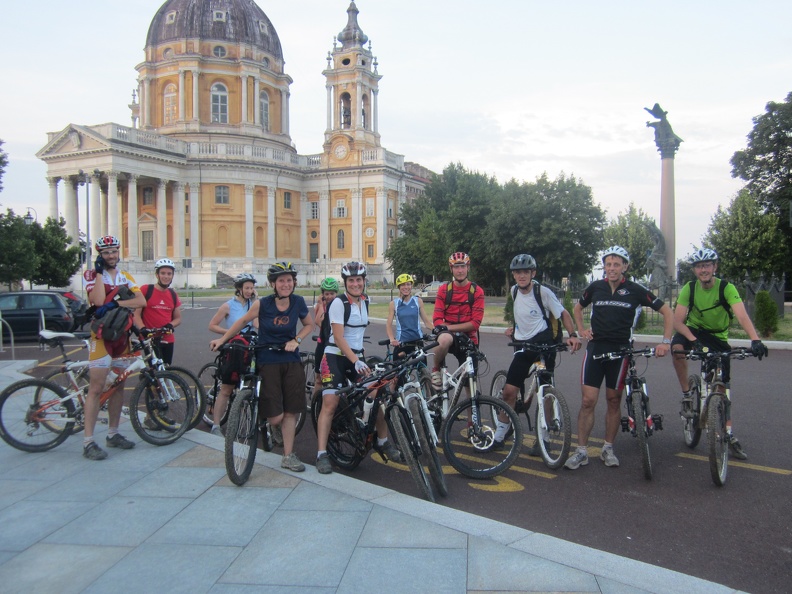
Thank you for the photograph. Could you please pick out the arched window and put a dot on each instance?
(264, 111)
(340, 239)
(365, 113)
(260, 242)
(219, 104)
(171, 107)
(345, 111)
(222, 236)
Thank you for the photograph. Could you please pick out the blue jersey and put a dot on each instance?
(279, 327)
(408, 320)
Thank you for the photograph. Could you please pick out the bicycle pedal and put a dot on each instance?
(658, 422)
(625, 424)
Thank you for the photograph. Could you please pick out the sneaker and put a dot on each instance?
(119, 441)
(292, 462)
(94, 452)
(277, 437)
(216, 430)
(437, 379)
(607, 456)
(535, 451)
(496, 446)
(391, 452)
(687, 411)
(736, 449)
(323, 465)
(576, 460)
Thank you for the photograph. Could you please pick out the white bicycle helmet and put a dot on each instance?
(164, 263)
(353, 269)
(243, 278)
(616, 250)
(703, 255)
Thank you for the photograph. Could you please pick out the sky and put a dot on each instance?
(511, 88)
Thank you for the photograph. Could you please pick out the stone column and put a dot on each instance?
(95, 226)
(103, 199)
(357, 232)
(285, 108)
(375, 115)
(161, 250)
(178, 221)
(196, 78)
(329, 109)
(324, 224)
(357, 113)
(271, 193)
(257, 102)
(381, 206)
(244, 92)
(182, 101)
(195, 221)
(71, 210)
(53, 197)
(133, 252)
(113, 205)
(249, 231)
(303, 226)
(145, 106)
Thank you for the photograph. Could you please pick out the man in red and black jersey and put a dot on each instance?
(615, 306)
(462, 312)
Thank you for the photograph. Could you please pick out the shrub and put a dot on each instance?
(765, 314)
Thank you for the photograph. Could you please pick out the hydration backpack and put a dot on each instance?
(556, 328)
(720, 303)
(233, 362)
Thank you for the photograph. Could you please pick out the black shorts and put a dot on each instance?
(282, 389)
(318, 354)
(612, 371)
(711, 342)
(335, 371)
(521, 363)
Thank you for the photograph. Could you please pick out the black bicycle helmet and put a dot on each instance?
(280, 268)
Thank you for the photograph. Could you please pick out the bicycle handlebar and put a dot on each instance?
(648, 352)
(539, 348)
(738, 353)
(251, 347)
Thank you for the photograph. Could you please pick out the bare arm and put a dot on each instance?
(424, 316)
(578, 313)
(236, 327)
(680, 315)
(214, 323)
(389, 323)
(572, 342)
(668, 329)
(177, 317)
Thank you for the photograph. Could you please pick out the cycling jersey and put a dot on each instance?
(459, 311)
(615, 313)
(704, 316)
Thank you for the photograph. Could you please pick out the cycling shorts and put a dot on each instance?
(335, 370)
(713, 343)
(100, 355)
(613, 371)
(282, 389)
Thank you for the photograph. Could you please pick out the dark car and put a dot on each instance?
(78, 307)
(22, 310)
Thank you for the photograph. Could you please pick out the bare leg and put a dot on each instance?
(613, 414)
(586, 414)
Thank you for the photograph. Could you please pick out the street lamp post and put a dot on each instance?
(28, 218)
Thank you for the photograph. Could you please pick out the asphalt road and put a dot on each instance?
(739, 535)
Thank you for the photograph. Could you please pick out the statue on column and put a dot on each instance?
(656, 265)
(667, 142)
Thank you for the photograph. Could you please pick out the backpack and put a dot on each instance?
(325, 329)
(553, 323)
(113, 328)
(720, 303)
(450, 294)
(150, 292)
(233, 362)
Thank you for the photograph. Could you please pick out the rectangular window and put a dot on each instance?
(222, 195)
(340, 209)
(287, 200)
(369, 207)
(148, 196)
(370, 248)
(314, 210)
(147, 244)
(390, 209)
(187, 203)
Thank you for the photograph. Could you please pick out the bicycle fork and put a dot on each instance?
(653, 422)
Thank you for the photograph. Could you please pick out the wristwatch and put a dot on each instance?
(573, 335)
(298, 339)
(666, 341)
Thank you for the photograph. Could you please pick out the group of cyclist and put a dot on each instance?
(283, 318)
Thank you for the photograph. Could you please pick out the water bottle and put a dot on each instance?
(368, 403)
(111, 377)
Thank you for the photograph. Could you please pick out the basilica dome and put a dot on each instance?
(234, 21)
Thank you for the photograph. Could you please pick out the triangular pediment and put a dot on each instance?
(73, 140)
(147, 218)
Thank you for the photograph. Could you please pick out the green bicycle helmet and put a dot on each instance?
(329, 284)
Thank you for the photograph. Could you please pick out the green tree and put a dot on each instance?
(765, 314)
(18, 257)
(630, 229)
(766, 164)
(3, 163)
(58, 259)
(747, 239)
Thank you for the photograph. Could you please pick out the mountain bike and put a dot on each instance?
(709, 408)
(639, 420)
(37, 415)
(553, 428)
(468, 426)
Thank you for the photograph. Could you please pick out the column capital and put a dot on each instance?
(163, 183)
(249, 188)
(132, 178)
(179, 186)
(97, 175)
(52, 181)
(111, 173)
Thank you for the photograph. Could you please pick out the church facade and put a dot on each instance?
(207, 173)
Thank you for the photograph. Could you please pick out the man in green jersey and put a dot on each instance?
(706, 322)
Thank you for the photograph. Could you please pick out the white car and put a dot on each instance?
(429, 292)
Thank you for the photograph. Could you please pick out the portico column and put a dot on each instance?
(71, 210)
(132, 217)
(303, 226)
(162, 220)
(249, 221)
(195, 220)
(324, 224)
(95, 226)
(53, 197)
(113, 204)
(178, 220)
(181, 95)
(244, 91)
(103, 210)
(271, 222)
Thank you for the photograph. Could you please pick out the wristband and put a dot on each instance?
(666, 340)
(298, 339)
(573, 335)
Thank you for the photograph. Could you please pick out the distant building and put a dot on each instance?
(208, 172)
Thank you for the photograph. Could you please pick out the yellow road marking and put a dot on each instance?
(502, 485)
(58, 359)
(769, 469)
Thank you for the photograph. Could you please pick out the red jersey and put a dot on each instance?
(459, 310)
(159, 309)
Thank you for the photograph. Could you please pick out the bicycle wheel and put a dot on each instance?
(345, 444)
(373, 360)
(241, 438)
(469, 435)
(310, 377)
(553, 428)
(718, 437)
(64, 380)
(405, 439)
(642, 433)
(691, 426)
(210, 381)
(429, 455)
(496, 390)
(161, 410)
(198, 393)
(33, 415)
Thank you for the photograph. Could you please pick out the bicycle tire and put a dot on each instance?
(310, 379)
(642, 433)
(52, 423)
(198, 393)
(241, 438)
(558, 429)
(402, 433)
(498, 381)
(161, 410)
(373, 360)
(691, 428)
(718, 438)
(469, 449)
(429, 455)
(211, 384)
(344, 443)
(63, 379)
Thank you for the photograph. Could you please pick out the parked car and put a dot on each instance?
(78, 307)
(429, 292)
(21, 309)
